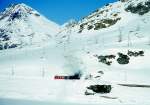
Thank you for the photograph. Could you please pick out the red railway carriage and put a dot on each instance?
(67, 77)
(59, 77)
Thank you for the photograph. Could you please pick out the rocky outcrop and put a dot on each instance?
(135, 53)
(123, 59)
(141, 8)
(100, 88)
(105, 59)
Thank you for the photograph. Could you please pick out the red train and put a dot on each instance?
(72, 77)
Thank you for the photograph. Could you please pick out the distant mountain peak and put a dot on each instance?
(19, 7)
(20, 25)
(70, 23)
(18, 11)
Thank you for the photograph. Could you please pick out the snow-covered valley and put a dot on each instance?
(32, 77)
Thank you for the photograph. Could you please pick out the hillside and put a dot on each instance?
(115, 24)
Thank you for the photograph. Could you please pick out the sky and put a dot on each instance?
(60, 11)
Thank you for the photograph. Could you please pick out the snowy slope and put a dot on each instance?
(21, 25)
(113, 24)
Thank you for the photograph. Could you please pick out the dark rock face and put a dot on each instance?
(104, 23)
(82, 26)
(140, 9)
(123, 0)
(3, 35)
(36, 14)
(16, 11)
(13, 46)
(1, 47)
(104, 59)
(135, 53)
(15, 15)
(5, 39)
(123, 59)
(90, 27)
(101, 72)
(99, 26)
(7, 46)
(100, 88)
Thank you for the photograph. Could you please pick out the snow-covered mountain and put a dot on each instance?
(111, 46)
(121, 22)
(21, 25)
(112, 14)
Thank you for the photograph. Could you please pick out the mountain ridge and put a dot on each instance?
(20, 25)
